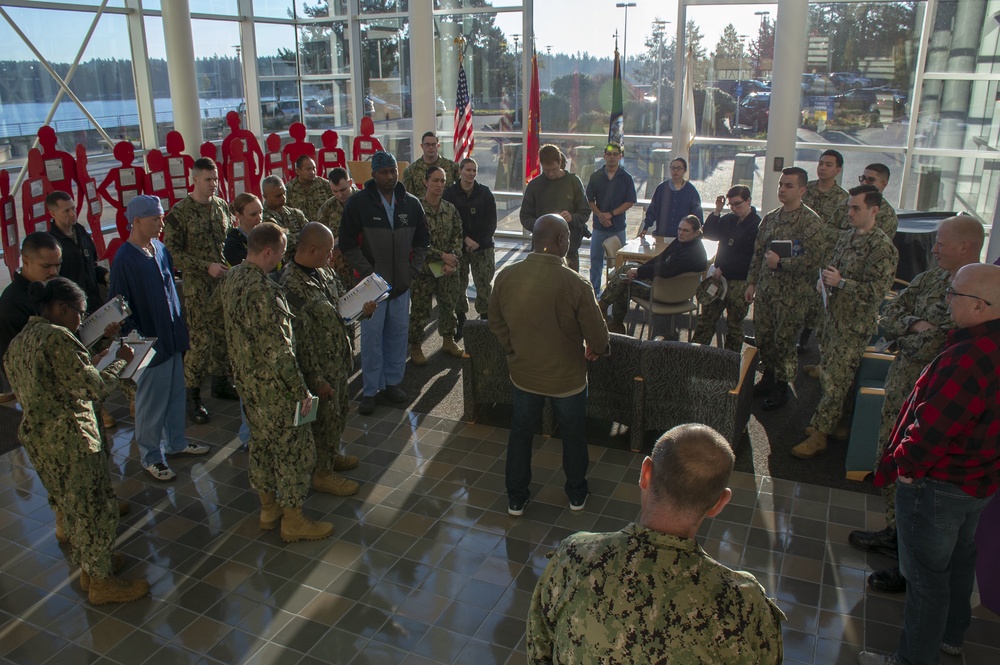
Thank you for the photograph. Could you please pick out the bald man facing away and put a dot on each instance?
(649, 593)
(550, 325)
(944, 457)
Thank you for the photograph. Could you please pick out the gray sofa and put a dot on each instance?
(645, 385)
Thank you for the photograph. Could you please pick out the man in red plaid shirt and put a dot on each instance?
(944, 457)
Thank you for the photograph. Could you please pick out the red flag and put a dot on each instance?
(531, 167)
(464, 138)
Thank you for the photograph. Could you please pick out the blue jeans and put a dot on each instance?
(383, 345)
(597, 238)
(159, 410)
(571, 414)
(936, 526)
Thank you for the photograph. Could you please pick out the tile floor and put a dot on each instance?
(425, 565)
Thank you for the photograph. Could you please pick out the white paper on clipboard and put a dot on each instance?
(144, 353)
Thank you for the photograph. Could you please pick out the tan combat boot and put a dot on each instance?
(117, 563)
(115, 590)
(811, 370)
(123, 507)
(417, 355)
(329, 482)
(296, 526)
(843, 431)
(814, 445)
(345, 462)
(270, 511)
(61, 527)
(108, 419)
(448, 346)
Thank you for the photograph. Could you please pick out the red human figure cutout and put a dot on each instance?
(366, 145)
(179, 166)
(8, 226)
(158, 177)
(253, 156)
(209, 150)
(297, 148)
(274, 163)
(330, 156)
(60, 167)
(91, 200)
(128, 182)
(236, 171)
(34, 189)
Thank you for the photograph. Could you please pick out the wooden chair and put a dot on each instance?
(670, 296)
(611, 247)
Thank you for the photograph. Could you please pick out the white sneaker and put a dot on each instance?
(872, 658)
(161, 472)
(191, 450)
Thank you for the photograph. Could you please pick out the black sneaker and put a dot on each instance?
(515, 507)
(889, 580)
(395, 394)
(777, 397)
(578, 504)
(883, 541)
(367, 405)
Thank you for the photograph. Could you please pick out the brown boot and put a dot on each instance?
(270, 511)
(329, 482)
(61, 527)
(811, 447)
(843, 431)
(345, 462)
(116, 590)
(811, 370)
(296, 526)
(448, 346)
(417, 355)
(117, 563)
(108, 419)
(123, 507)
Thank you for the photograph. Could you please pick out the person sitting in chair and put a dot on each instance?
(685, 254)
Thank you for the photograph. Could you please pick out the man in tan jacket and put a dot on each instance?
(548, 320)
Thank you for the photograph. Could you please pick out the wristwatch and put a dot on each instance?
(841, 283)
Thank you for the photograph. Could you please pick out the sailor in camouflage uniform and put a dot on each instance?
(445, 228)
(307, 191)
(195, 233)
(415, 175)
(478, 209)
(329, 216)
(917, 322)
(828, 200)
(259, 330)
(878, 175)
(649, 593)
(323, 348)
(59, 387)
(780, 287)
(275, 210)
(857, 278)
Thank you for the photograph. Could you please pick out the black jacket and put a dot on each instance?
(79, 263)
(677, 259)
(235, 248)
(370, 244)
(736, 242)
(478, 210)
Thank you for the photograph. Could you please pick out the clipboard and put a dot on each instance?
(371, 289)
(115, 310)
(144, 353)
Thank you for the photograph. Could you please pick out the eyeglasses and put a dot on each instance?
(737, 202)
(867, 180)
(430, 145)
(81, 312)
(951, 293)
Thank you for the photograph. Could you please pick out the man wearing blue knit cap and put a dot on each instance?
(383, 231)
(143, 274)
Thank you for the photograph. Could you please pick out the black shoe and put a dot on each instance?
(777, 397)
(395, 394)
(889, 580)
(883, 541)
(750, 340)
(195, 409)
(223, 388)
(484, 317)
(800, 347)
(461, 324)
(765, 385)
(367, 405)
(515, 507)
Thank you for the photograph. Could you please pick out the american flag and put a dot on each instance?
(465, 140)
